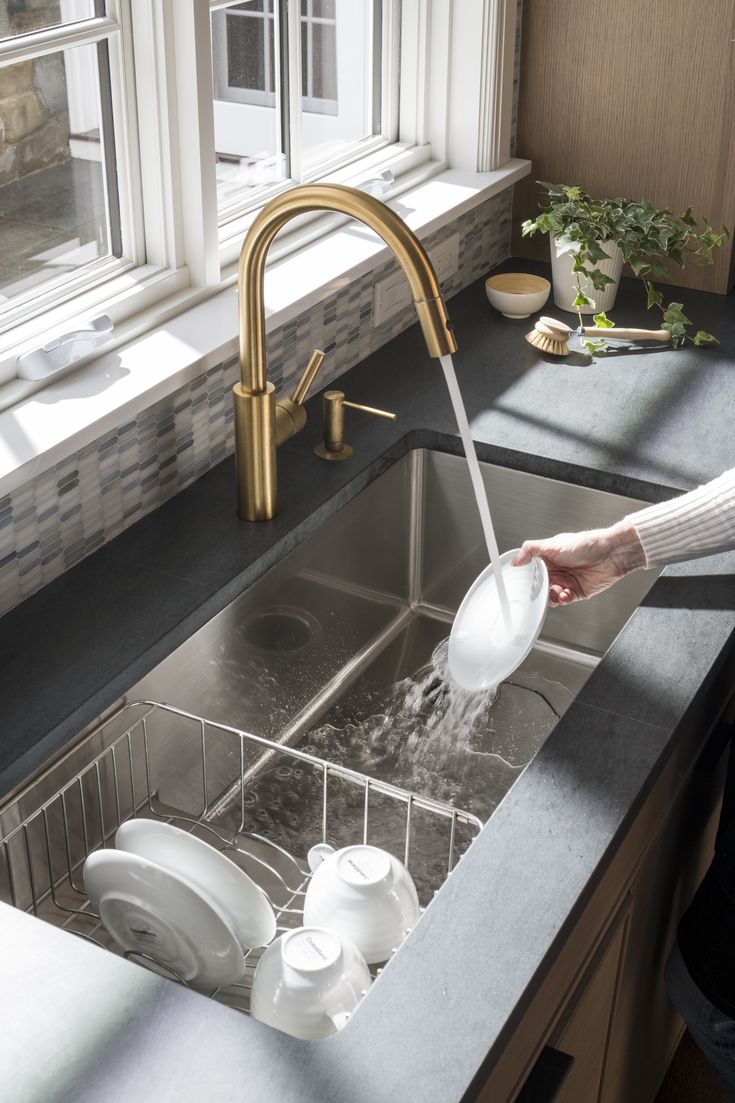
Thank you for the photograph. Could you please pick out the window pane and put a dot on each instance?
(319, 8)
(246, 53)
(340, 75)
(247, 100)
(57, 185)
(323, 62)
(22, 16)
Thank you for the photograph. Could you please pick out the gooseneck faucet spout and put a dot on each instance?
(261, 423)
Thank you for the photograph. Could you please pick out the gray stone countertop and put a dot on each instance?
(79, 1024)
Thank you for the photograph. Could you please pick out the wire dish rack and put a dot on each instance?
(262, 803)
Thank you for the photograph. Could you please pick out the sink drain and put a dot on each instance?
(281, 629)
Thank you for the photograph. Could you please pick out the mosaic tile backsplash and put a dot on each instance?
(66, 513)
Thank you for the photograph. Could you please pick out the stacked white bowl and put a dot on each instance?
(364, 894)
(308, 982)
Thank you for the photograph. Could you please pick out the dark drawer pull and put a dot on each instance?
(548, 1075)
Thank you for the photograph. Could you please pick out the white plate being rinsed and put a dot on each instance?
(482, 652)
(235, 894)
(154, 912)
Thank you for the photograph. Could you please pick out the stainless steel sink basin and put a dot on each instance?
(323, 643)
(328, 656)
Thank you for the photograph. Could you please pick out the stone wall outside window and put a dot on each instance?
(34, 117)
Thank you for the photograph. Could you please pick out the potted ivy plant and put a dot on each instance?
(591, 239)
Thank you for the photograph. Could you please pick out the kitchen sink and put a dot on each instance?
(332, 649)
(316, 707)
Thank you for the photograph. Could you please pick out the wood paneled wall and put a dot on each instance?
(632, 98)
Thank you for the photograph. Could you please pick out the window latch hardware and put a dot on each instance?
(59, 353)
(378, 185)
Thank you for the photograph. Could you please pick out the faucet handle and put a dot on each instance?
(290, 412)
(333, 405)
(307, 378)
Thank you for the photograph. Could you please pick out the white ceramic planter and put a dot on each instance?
(563, 280)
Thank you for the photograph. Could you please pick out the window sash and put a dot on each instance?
(171, 237)
(385, 63)
(105, 32)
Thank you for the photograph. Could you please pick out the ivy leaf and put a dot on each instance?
(638, 264)
(528, 227)
(566, 244)
(600, 280)
(677, 257)
(659, 270)
(595, 253)
(655, 298)
(582, 300)
(688, 218)
(676, 329)
(595, 348)
(675, 313)
(555, 191)
(602, 321)
(702, 339)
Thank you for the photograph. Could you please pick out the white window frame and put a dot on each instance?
(453, 110)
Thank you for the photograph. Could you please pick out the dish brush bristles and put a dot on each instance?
(555, 346)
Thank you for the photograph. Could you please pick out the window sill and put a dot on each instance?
(50, 425)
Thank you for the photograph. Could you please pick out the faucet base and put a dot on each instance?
(255, 453)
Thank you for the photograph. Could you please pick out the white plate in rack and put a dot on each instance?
(236, 895)
(152, 911)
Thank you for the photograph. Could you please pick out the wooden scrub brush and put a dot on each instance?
(552, 336)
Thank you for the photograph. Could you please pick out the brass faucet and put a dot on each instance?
(261, 423)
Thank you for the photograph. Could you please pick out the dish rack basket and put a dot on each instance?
(262, 803)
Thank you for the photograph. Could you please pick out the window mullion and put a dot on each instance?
(109, 158)
(290, 54)
(377, 65)
(389, 43)
(143, 65)
(188, 24)
(414, 90)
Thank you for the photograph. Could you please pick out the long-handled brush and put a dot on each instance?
(552, 336)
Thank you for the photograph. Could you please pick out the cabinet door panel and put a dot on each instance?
(646, 1028)
(585, 1032)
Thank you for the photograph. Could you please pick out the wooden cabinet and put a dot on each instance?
(585, 1028)
(645, 1029)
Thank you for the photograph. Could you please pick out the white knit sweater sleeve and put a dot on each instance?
(698, 523)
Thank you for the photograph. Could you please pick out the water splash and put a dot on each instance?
(427, 735)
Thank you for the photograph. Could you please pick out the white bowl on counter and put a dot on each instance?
(517, 294)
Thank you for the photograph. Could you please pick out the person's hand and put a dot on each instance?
(582, 564)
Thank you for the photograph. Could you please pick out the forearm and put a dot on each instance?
(699, 523)
(625, 548)
(582, 564)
